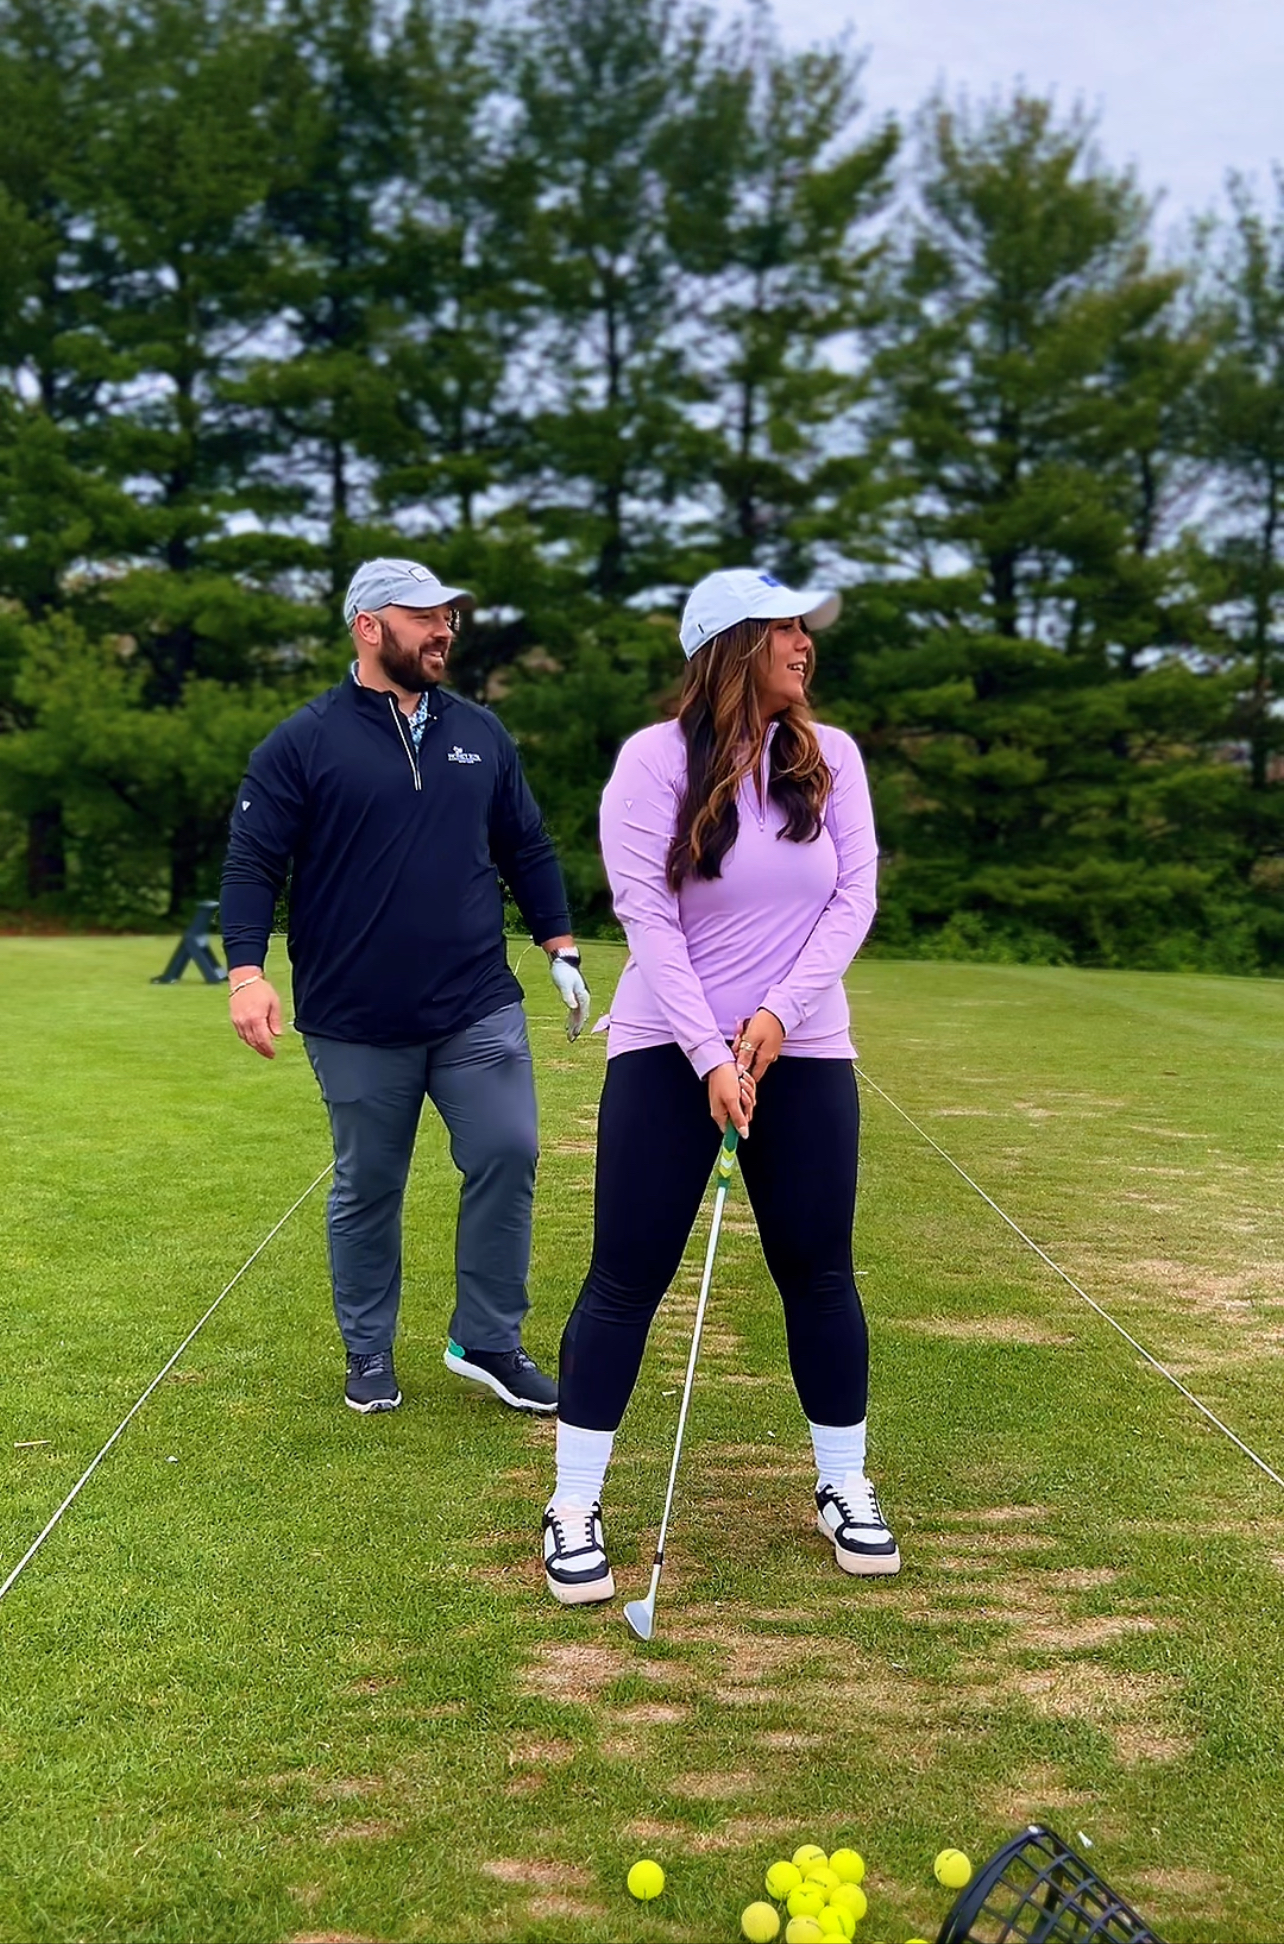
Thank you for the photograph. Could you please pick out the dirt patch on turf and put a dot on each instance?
(1191, 1889)
(1225, 1294)
(349, 1788)
(519, 1575)
(1081, 1579)
(740, 1832)
(647, 1830)
(653, 1714)
(870, 1692)
(329, 1937)
(704, 1785)
(362, 1832)
(544, 1875)
(573, 1147)
(575, 1672)
(992, 1515)
(988, 1329)
(1000, 1544)
(785, 1739)
(1037, 1790)
(1134, 1710)
(375, 1683)
(1073, 1636)
(540, 1754)
(550, 1909)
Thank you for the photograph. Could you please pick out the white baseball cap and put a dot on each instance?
(385, 583)
(744, 594)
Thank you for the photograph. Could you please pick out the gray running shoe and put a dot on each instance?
(511, 1374)
(371, 1383)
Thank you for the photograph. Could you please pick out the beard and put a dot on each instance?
(404, 666)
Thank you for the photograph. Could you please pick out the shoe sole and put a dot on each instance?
(375, 1404)
(861, 1565)
(590, 1595)
(474, 1372)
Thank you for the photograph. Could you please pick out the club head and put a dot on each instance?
(640, 1615)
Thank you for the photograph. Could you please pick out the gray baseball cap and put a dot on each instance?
(396, 583)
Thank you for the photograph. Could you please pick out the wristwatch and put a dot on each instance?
(566, 955)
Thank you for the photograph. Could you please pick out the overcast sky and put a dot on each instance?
(1186, 89)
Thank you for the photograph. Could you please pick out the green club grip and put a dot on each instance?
(727, 1152)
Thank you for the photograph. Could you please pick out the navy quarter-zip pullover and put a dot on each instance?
(395, 855)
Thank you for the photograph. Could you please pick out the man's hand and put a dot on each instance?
(255, 1008)
(758, 1043)
(569, 981)
(731, 1097)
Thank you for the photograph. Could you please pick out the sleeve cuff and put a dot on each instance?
(709, 1054)
(787, 1010)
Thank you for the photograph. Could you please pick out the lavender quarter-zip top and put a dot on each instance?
(778, 929)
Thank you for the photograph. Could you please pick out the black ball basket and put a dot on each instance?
(1037, 1890)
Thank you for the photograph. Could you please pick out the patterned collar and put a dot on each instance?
(418, 721)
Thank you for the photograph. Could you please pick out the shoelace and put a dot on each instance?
(374, 1365)
(559, 1535)
(872, 1509)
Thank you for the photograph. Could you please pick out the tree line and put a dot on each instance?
(579, 299)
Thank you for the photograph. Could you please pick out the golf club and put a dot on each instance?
(640, 1614)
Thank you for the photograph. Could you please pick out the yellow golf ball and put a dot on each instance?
(952, 1869)
(759, 1923)
(808, 1900)
(803, 1930)
(781, 1878)
(645, 1880)
(822, 1874)
(808, 1853)
(850, 1896)
(848, 1865)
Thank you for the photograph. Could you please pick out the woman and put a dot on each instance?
(739, 844)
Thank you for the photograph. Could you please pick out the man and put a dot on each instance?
(396, 807)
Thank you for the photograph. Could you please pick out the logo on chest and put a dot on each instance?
(458, 755)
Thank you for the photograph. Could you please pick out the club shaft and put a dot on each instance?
(719, 1203)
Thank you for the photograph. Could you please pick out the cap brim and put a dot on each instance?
(819, 607)
(412, 596)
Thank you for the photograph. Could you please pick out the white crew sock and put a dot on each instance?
(582, 1459)
(839, 1449)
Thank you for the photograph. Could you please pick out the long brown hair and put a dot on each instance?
(724, 730)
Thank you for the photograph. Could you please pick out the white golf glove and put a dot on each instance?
(575, 995)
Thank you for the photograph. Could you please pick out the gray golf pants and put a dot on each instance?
(481, 1083)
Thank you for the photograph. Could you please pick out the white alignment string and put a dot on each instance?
(138, 1404)
(1104, 1314)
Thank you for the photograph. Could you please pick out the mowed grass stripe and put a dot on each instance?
(304, 1680)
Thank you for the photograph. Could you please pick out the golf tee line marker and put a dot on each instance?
(1091, 1301)
(139, 1402)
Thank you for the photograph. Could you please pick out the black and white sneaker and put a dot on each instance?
(850, 1515)
(511, 1374)
(575, 1562)
(371, 1382)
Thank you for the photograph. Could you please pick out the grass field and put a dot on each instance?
(283, 1673)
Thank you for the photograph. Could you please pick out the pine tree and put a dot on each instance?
(790, 264)
(1033, 740)
(615, 97)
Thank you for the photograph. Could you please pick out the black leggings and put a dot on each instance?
(656, 1146)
